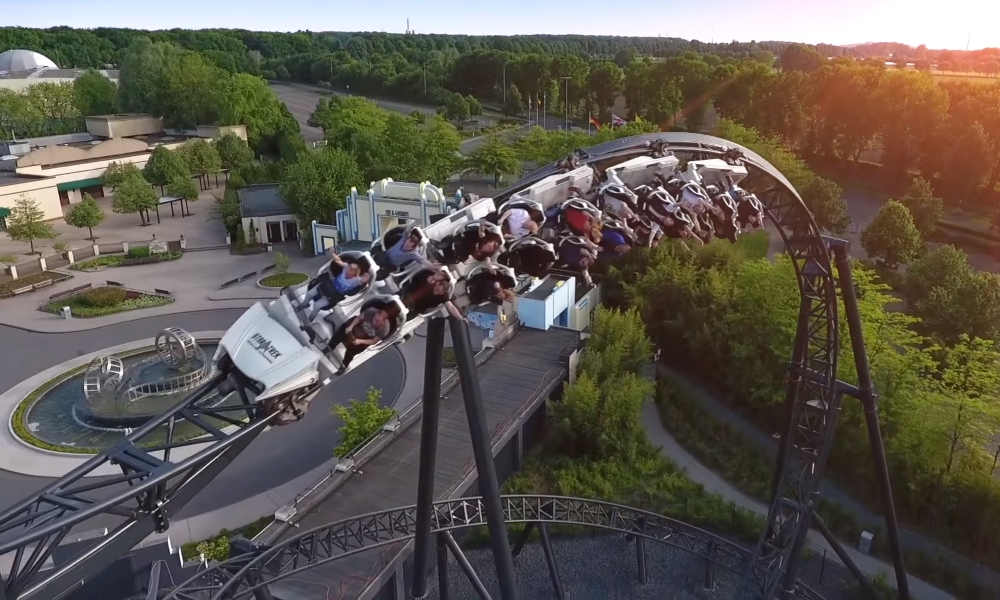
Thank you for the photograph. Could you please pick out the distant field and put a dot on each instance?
(966, 77)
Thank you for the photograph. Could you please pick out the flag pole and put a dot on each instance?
(545, 112)
(590, 122)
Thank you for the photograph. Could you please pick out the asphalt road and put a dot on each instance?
(278, 456)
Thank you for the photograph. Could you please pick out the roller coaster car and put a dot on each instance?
(397, 314)
(414, 290)
(276, 347)
(529, 255)
(568, 213)
(534, 209)
(482, 285)
(455, 249)
(726, 226)
(390, 239)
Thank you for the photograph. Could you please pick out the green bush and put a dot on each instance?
(362, 420)
(138, 252)
(102, 297)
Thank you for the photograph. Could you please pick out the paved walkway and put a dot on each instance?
(716, 484)
(193, 280)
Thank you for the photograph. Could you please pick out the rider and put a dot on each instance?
(363, 331)
(478, 240)
(427, 291)
(517, 223)
(411, 247)
(350, 278)
(578, 254)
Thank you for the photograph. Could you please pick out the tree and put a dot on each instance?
(248, 100)
(233, 152)
(456, 108)
(201, 157)
(26, 222)
(475, 108)
(95, 94)
(117, 172)
(183, 187)
(134, 195)
(824, 199)
(514, 104)
(87, 213)
(165, 165)
(892, 235)
(494, 158)
(799, 57)
(361, 420)
(317, 184)
(281, 263)
(925, 208)
(606, 83)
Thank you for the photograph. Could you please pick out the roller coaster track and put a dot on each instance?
(241, 576)
(152, 489)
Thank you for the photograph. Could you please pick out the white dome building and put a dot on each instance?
(24, 60)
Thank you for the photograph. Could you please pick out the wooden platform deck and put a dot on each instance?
(514, 382)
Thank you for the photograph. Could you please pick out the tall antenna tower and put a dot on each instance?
(968, 41)
(408, 30)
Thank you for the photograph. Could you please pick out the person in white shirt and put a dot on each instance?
(517, 223)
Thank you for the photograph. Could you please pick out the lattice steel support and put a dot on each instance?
(148, 494)
(230, 580)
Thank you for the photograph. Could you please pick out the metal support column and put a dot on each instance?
(444, 591)
(550, 560)
(869, 401)
(434, 355)
(838, 549)
(466, 567)
(482, 449)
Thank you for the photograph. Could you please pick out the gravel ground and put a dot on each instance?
(605, 567)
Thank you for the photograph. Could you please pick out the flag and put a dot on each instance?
(638, 119)
(616, 121)
(538, 99)
(595, 122)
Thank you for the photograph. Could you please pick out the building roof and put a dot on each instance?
(44, 73)
(262, 200)
(25, 60)
(11, 178)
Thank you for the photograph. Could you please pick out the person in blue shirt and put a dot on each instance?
(342, 280)
(410, 248)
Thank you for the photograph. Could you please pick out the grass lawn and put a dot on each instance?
(103, 301)
(280, 280)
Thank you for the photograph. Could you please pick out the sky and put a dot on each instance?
(931, 22)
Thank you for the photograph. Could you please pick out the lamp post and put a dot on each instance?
(566, 121)
(505, 84)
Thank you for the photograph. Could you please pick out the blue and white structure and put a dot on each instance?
(385, 205)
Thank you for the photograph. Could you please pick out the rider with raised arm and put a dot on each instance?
(410, 248)
(363, 331)
(351, 278)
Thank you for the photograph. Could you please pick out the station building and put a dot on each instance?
(56, 171)
(387, 204)
(20, 69)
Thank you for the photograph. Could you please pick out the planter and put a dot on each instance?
(285, 279)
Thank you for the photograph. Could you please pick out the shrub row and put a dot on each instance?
(746, 466)
(103, 301)
(135, 256)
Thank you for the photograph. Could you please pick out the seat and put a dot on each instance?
(398, 317)
(535, 209)
(417, 278)
(481, 278)
(529, 255)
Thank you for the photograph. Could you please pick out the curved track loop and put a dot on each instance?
(153, 488)
(239, 577)
(813, 404)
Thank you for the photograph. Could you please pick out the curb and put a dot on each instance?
(12, 398)
(180, 312)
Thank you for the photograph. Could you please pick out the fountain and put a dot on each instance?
(116, 394)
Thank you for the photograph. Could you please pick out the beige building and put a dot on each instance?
(20, 69)
(56, 171)
(265, 216)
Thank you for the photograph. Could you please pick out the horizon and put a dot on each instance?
(901, 21)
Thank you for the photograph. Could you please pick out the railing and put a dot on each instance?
(181, 383)
(242, 278)
(60, 277)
